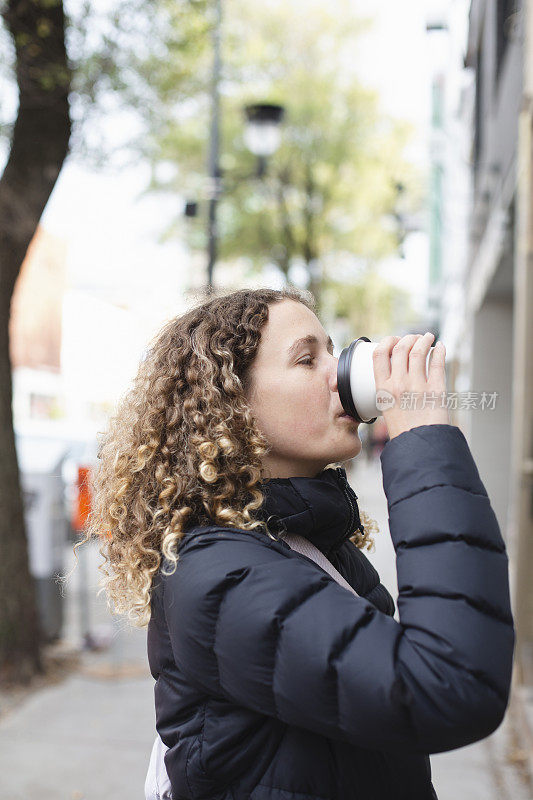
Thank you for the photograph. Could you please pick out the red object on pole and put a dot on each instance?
(82, 506)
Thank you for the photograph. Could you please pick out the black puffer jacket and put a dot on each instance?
(275, 683)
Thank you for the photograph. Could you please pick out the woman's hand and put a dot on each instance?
(405, 371)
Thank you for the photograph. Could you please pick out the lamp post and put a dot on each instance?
(214, 144)
(261, 136)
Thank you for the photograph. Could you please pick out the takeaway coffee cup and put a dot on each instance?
(356, 382)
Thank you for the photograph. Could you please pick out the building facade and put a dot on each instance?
(489, 329)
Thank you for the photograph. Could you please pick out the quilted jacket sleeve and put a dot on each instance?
(275, 634)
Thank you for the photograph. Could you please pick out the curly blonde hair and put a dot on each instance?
(183, 448)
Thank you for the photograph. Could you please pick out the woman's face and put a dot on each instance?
(294, 395)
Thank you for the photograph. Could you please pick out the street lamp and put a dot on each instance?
(262, 137)
(262, 134)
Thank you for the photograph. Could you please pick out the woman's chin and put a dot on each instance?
(352, 449)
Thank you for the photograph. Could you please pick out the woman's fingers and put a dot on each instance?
(405, 356)
(401, 353)
(400, 370)
(418, 355)
(381, 358)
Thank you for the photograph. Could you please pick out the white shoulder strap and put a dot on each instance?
(304, 546)
(157, 784)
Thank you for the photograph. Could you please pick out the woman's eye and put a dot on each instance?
(307, 360)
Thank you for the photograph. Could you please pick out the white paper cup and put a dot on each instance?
(356, 382)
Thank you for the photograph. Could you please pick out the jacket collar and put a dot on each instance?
(323, 509)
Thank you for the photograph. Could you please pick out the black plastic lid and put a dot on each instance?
(343, 380)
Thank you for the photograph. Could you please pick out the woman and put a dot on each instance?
(272, 680)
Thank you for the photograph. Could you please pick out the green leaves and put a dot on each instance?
(330, 186)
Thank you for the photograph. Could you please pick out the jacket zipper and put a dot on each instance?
(347, 493)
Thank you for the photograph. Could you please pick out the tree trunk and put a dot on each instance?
(39, 146)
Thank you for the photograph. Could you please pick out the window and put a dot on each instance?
(505, 10)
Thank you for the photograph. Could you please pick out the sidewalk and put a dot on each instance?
(90, 736)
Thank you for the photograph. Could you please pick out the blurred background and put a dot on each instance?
(377, 153)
